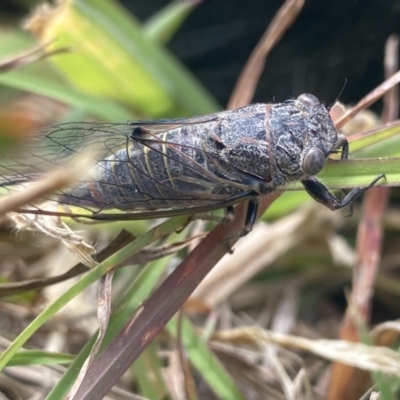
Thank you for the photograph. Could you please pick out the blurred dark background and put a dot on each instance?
(331, 42)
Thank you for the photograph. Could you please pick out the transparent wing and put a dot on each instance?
(59, 146)
(136, 162)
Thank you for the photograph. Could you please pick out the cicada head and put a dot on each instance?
(304, 136)
(321, 137)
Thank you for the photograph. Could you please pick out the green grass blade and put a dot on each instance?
(375, 137)
(162, 26)
(205, 362)
(48, 86)
(39, 357)
(128, 66)
(41, 78)
(140, 290)
(148, 372)
(92, 276)
(339, 175)
(346, 174)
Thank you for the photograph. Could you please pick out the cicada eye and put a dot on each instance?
(313, 161)
(308, 99)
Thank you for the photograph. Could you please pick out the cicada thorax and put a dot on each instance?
(244, 146)
(172, 169)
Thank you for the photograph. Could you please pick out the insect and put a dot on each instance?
(186, 166)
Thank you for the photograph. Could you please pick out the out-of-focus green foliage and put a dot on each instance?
(114, 69)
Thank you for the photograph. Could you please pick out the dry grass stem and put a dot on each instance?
(369, 358)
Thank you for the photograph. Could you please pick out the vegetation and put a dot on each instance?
(264, 323)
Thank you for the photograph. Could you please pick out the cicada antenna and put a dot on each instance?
(337, 97)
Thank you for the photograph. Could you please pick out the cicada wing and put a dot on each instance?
(58, 146)
(138, 168)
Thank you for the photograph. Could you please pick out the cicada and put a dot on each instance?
(152, 169)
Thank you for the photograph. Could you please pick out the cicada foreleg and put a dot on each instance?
(319, 192)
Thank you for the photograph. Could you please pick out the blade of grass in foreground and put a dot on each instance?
(139, 291)
(107, 369)
(92, 276)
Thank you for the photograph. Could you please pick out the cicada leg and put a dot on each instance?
(319, 192)
(250, 219)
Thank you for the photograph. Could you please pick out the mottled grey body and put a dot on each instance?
(209, 161)
(255, 148)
